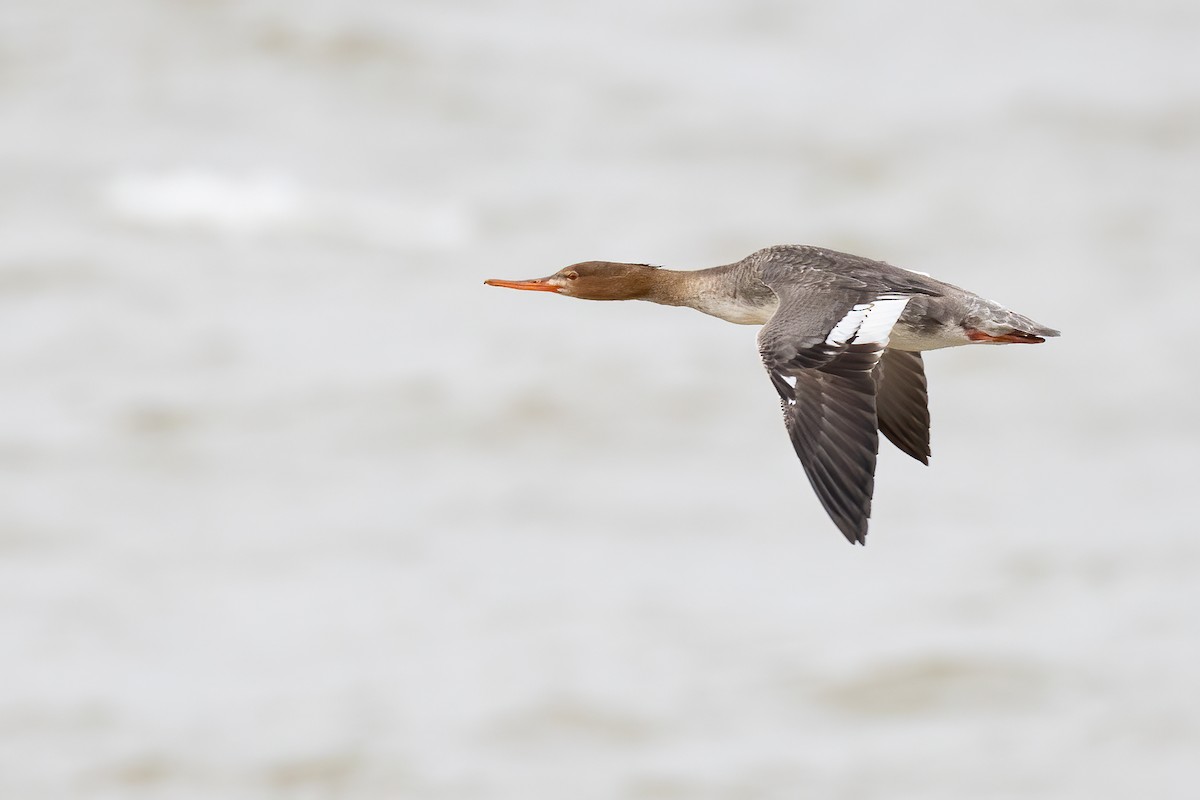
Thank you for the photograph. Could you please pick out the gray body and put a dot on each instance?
(839, 393)
(936, 316)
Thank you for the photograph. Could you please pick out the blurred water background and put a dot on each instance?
(291, 506)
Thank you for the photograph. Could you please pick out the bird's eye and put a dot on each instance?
(571, 276)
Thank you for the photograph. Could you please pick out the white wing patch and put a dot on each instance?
(794, 382)
(869, 322)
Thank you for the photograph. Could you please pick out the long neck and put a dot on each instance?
(671, 287)
(730, 292)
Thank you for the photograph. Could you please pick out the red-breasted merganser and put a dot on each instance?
(841, 340)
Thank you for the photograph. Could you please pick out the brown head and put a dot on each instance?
(592, 280)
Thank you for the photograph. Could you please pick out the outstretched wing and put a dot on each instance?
(821, 349)
(831, 421)
(902, 402)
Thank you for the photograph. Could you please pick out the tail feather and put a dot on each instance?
(1027, 326)
(1003, 327)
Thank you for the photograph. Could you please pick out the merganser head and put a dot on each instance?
(591, 280)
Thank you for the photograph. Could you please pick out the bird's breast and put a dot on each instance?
(737, 309)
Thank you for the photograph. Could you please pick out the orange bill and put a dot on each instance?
(535, 285)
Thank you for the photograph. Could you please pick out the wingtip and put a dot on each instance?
(855, 534)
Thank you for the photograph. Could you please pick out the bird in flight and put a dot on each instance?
(841, 340)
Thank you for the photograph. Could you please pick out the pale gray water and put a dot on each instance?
(293, 506)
